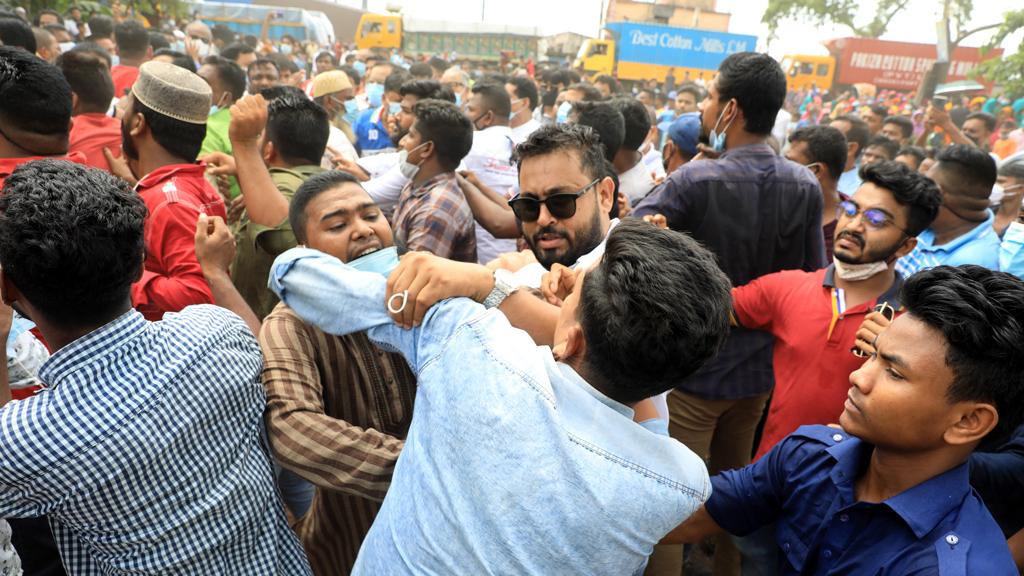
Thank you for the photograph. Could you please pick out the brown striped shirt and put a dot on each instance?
(338, 409)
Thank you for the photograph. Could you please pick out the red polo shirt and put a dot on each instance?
(173, 279)
(8, 165)
(91, 133)
(124, 78)
(813, 338)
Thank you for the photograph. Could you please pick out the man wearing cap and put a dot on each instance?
(162, 131)
(333, 90)
(681, 145)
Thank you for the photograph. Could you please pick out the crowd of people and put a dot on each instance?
(277, 308)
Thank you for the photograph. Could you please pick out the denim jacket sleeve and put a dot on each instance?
(339, 299)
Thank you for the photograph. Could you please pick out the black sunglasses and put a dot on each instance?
(561, 206)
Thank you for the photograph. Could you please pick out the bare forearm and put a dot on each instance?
(956, 135)
(531, 315)
(263, 201)
(491, 210)
(226, 295)
(694, 529)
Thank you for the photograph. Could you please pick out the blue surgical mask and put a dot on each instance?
(716, 139)
(178, 46)
(286, 48)
(375, 93)
(458, 99)
(382, 261)
(394, 108)
(115, 60)
(351, 111)
(360, 67)
(562, 115)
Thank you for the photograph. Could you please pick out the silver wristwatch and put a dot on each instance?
(502, 289)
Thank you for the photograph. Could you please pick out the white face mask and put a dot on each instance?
(999, 192)
(202, 48)
(408, 169)
(858, 272)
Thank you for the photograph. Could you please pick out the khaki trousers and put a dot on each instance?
(721, 432)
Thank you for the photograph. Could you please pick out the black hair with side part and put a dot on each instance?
(757, 83)
(986, 118)
(916, 192)
(690, 88)
(525, 87)
(132, 39)
(427, 90)
(637, 122)
(578, 138)
(235, 50)
(230, 73)
(447, 127)
(310, 189)
(611, 82)
(34, 96)
(71, 240)
(395, 80)
(825, 144)
(100, 26)
(653, 311)
(298, 128)
(495, 98)
(918, 153)
(859, 133)
(890, 147)
(89, 78)
(178, 59)
(181, 139)
(980, 314)
(606, 121)
(906, 125)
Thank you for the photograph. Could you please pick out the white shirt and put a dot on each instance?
(531, 274)
(336, 139)
(490, 159)
(653, 160)
(636, 183)
(781, 128)
(521, 133)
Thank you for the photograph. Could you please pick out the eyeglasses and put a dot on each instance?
(873, 216)
(560, 206)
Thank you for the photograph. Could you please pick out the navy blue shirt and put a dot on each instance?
(998, 476)
(759, 213)
(806, 485)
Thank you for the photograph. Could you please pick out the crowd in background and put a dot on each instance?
(273, 307)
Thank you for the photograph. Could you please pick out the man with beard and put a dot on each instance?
(162, 132)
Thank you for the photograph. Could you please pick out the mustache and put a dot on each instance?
(852, 236)
(549, 230)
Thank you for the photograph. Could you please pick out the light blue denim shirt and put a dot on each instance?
(980, 246)
(513, 463)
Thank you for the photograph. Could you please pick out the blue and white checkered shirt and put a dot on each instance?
(145, 451)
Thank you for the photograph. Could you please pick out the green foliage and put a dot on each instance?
(1007, 71)
(153, 10)
(841, 12)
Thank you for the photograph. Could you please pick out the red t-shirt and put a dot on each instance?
(173, 279)
(813, 338)
(8, 165)
(91, 133)
(124, 78)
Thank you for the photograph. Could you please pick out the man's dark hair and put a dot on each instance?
(972, 166)
(262, 61)
(653, 311)
(981, 316)
(157, 41)
(890, 147)
(36, 20)
(590, 93)
(525, 88)
(251, 41)
(918, 154)
(757, 83)
(235, 50)
(578, 138)
(93, 48)
(879, 110)
(438, 64)
(427, 89)
(15, 32)
(283, 90)
(231, 74)
(421, 70)
(637, 122)
(611, 82)
(648, 91)
(825, 144)
(447, 127)
(561, 76)
(573, 76)
(495, 98)
(859, 133)
(606, 121)
(223, 33)
(101, 26)
(89, 78)
(691, 89)
(911, 189)
(906, 125)
(283, 62)
(132, 39)
(310, 189)
(353, 76)
(71, 240)
(395, 80)
(298, 128)
(178, 59)
(988, 119)
(34, 96)
(179, 138)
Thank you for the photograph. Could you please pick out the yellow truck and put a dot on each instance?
(468, 41)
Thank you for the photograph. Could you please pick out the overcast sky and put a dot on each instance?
(915, 24)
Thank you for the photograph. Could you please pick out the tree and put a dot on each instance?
(842, 12)
(1007, 71)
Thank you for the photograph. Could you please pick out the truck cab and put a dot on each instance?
(379, 31)
(596, 57)
(804, 71)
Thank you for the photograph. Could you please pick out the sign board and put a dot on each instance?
(677, 47)
(898, 65)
